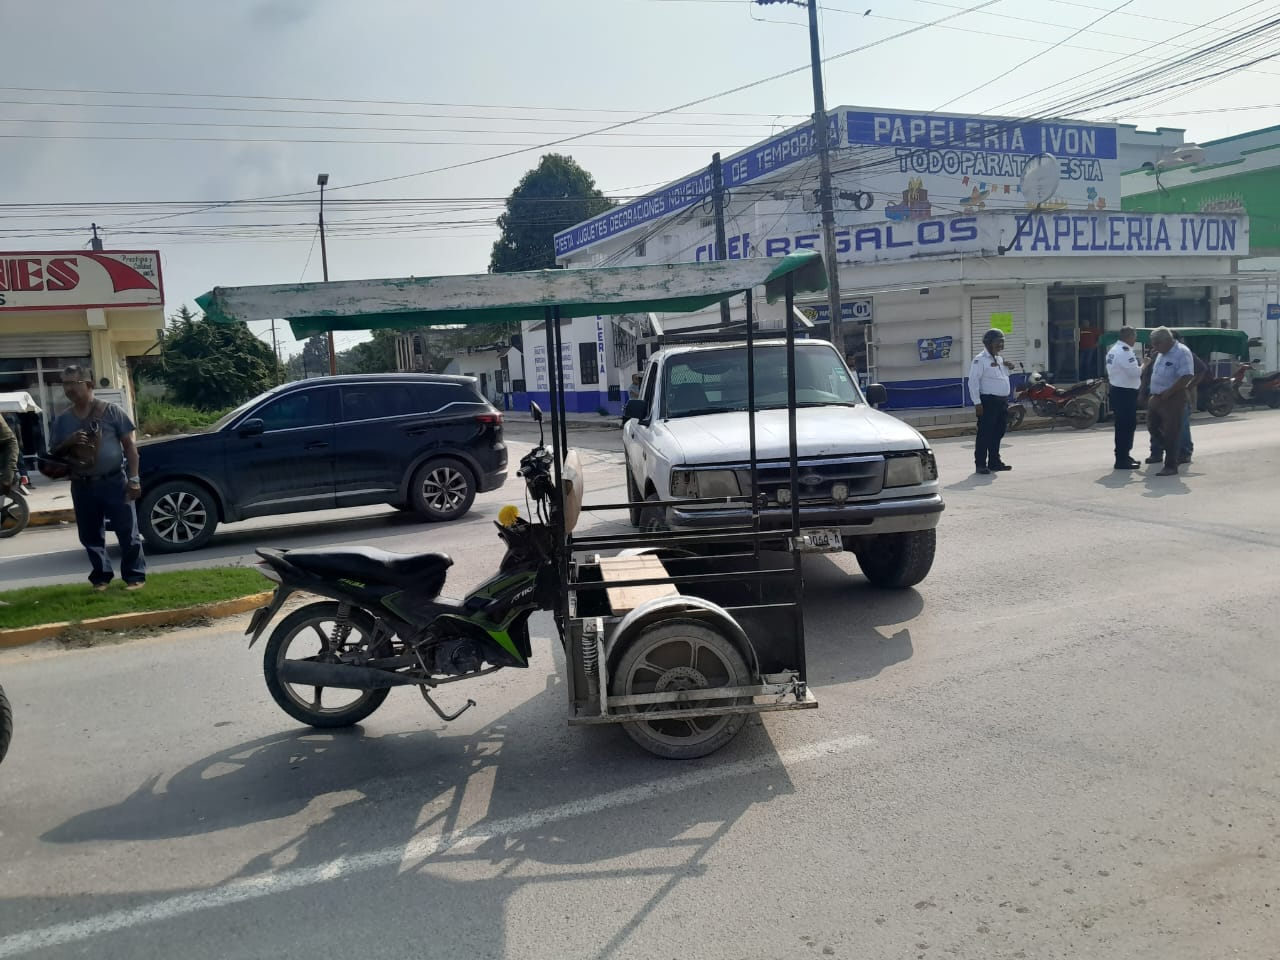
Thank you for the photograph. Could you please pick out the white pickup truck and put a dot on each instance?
(863, 473)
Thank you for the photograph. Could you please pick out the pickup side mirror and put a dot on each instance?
(251, 428)
(635, 410)
(877, 394)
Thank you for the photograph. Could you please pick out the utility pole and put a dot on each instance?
(321, 180)
(825, 196)
(722, 249)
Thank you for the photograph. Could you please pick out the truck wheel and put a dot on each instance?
(898, 560)
(673, 655)
(634, 514)
(653, 519)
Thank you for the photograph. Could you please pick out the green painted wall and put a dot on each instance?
(1256, 193)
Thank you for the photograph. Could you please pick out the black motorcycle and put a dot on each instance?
(385, 623)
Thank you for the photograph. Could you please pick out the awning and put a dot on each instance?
(20, 402)
(413, 302)
(1202, 340)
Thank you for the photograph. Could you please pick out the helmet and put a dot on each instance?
(1036, 378)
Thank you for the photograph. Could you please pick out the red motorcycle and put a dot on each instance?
(1079, 404)
(1256, 389)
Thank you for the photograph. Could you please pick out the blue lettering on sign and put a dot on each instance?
(751, 164)
(882, 236)
(1127, 233)
(984, 135)
(973, 163)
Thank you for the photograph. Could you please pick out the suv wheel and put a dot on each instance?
(177, 516)
(442, 489)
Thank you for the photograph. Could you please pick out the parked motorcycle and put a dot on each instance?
(1217, 396)
(1256, 389)
(385, 623)
(14, 512)
(6, 724)
(1080, 404)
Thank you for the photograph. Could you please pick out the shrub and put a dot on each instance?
(160, 417)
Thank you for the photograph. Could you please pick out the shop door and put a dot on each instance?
(1006, 311)
(1064, 338)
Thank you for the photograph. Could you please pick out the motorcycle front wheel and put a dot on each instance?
(306, 634)
(1017, 413)
(6, 724)
(1222, 400)
(14, 514)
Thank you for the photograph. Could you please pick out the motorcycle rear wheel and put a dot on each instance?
(312, 626)
(1222, 401)
(1082, 414)
(681, 655)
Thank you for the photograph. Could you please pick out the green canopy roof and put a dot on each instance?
(1202, 340)
(414, 302)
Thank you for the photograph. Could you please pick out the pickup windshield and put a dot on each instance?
(715, 381)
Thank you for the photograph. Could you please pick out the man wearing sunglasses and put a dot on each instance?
(97, 438)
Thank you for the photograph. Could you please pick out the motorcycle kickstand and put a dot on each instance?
(446, 717)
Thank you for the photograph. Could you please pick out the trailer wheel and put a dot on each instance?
(679, 654)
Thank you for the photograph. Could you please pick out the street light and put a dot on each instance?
(321, 181)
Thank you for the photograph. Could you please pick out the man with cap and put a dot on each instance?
(1125, 376)
(989, 390)
(1172, 371)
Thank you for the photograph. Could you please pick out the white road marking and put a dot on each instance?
(284, 881)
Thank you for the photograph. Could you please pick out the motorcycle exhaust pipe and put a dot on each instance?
(308, 673)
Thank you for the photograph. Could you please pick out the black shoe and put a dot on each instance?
(1127, 465)
(1001, 467)
(1159, 459)
(982, 470)
(1185, 458)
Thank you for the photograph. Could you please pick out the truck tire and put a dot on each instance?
(653, 519)
(895, 561)
(634, 514)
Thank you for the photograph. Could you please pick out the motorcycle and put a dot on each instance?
(6, 724)
(1216, 396)
(1080, 404)
(1256, 389)
(385, 624)
(14, 512)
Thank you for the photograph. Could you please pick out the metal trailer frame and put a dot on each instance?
(592, 635)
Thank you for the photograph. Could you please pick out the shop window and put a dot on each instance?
(1177, 306)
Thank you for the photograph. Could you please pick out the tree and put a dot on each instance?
(373, 356)
(212, 366)
(549, 198)
(315, 357)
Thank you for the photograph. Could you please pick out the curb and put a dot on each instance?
(20, 636)
(49, 518)
(943, 431)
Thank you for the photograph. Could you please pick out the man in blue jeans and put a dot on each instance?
(100, 488)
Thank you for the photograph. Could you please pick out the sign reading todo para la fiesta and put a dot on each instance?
(79, 280)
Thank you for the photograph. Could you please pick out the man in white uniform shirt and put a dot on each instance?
(1125, 375)
(1171, 374)
(989, 390)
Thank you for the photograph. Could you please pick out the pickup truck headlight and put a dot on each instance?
(699, 484)
(905, 471)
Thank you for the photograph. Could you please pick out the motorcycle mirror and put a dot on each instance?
(535, 411)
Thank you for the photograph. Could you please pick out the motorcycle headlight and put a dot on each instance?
(905, 471)
(699, 484)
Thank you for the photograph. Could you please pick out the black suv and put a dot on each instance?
(419, 442)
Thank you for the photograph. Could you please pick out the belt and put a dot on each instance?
(103, 476)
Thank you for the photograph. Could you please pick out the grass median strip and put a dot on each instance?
(174, 590)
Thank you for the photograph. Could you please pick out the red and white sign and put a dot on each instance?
(80, 280)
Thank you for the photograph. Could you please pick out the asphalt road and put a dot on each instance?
(1063, 744)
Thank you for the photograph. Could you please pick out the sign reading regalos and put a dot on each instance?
(80, 280)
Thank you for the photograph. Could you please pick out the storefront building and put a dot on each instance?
(947, 226)
(95, 308)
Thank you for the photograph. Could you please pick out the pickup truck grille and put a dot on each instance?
(864, 476)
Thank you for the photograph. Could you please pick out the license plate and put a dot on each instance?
(820, 540)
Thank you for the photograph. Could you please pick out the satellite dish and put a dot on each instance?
(1040, 178)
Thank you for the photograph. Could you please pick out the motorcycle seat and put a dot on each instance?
(368, 563)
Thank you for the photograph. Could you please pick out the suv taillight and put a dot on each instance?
(490, 419)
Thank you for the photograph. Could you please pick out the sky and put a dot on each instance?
(159, 119)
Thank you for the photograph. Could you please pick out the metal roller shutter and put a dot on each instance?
(1012, 302)
(15, 345)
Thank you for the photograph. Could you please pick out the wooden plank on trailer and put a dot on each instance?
(646, 567)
